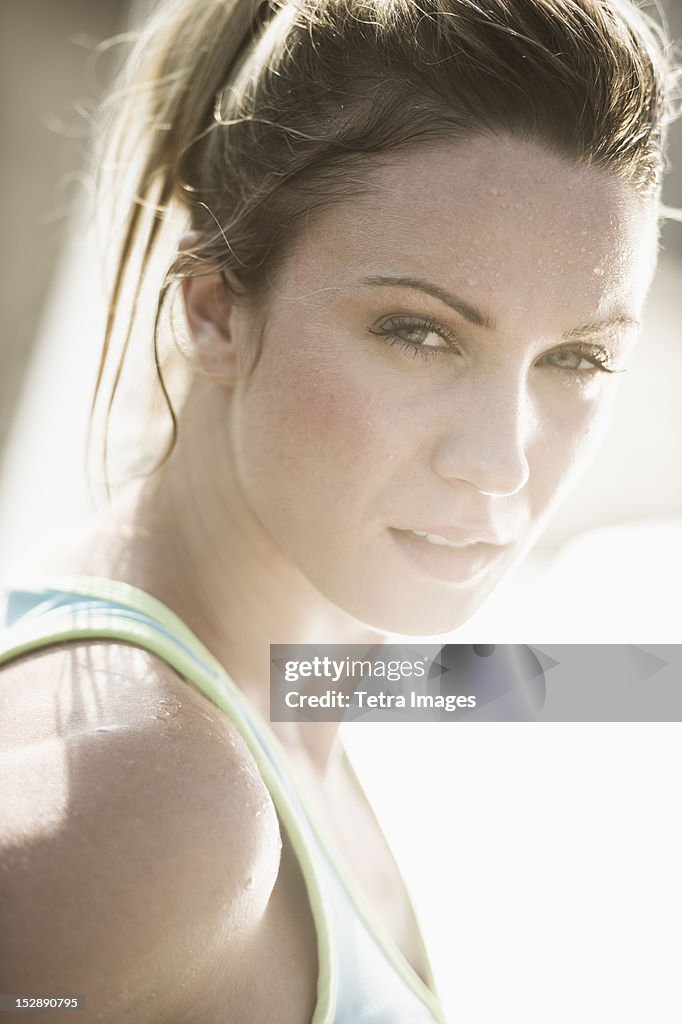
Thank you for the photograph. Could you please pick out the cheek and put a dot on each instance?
(313, 433)
(569, 436)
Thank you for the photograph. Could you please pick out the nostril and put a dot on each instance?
(494, 463)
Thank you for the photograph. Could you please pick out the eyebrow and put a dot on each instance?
(480, 318)
(600, 326)
(475, 316)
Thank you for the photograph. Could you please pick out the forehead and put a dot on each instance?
(502, 220)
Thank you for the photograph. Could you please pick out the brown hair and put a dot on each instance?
(245, 117)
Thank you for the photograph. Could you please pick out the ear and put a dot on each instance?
(209, 310)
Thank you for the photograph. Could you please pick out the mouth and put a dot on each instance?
(458, 558)
(440, 541)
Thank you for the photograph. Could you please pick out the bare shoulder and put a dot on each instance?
(138, 840)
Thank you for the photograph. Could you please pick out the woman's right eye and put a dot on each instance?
(416, 335)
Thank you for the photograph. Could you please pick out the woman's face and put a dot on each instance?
(436, 369)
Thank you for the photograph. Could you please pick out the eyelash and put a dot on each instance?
(387, 329)
(599, 357)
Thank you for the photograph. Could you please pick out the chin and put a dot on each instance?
(407, 611)
(423, 607)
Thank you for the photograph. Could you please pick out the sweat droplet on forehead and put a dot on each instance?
(502, 223)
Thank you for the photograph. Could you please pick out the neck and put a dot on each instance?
(198, 548)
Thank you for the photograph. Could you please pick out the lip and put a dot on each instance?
(466, 563)
(461, 535)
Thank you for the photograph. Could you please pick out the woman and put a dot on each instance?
(417, 242)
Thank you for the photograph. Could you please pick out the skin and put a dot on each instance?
(340, 436)
(276, 520)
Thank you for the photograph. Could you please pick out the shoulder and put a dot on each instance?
(138, 828)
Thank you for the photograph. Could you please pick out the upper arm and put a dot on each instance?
(133, 847)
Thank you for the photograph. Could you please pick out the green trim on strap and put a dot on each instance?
(74, 623)
(84, 623)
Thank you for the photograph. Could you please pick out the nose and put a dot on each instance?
(485, 439)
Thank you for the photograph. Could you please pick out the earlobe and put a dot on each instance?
(209, 310)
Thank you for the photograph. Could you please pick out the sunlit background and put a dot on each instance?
(543, 859)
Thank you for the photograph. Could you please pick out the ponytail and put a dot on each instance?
(160, 110)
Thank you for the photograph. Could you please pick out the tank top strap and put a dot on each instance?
(81, 608)
(361, 975)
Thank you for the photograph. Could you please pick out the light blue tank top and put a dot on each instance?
(363, 978)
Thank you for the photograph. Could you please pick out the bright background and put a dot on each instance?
(544, 859)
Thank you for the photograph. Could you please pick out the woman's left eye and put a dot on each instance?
(579, 360)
